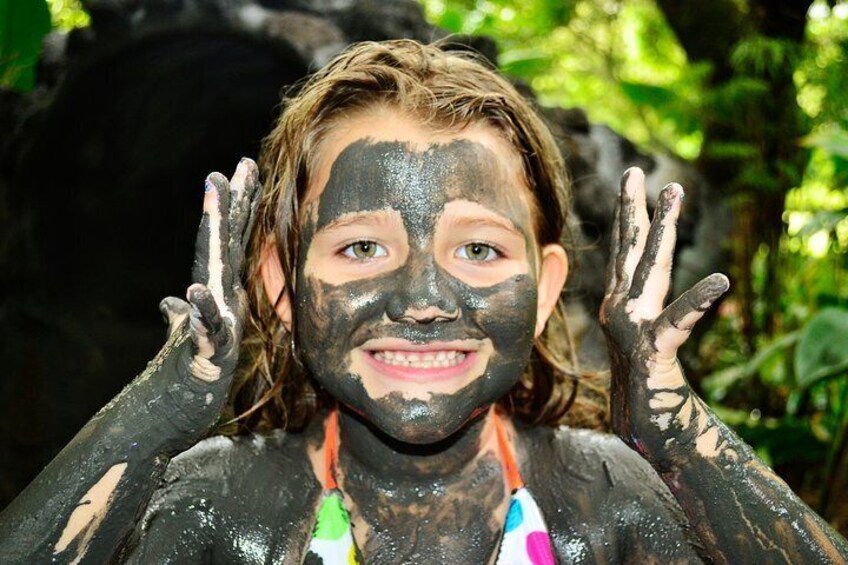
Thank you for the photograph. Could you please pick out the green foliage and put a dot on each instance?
(23, 25)
(618, 60)
(760, 56)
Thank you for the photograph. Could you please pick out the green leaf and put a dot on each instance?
(524, 63)
(649, 94)
(782, 440)
(23, 25)
(823, 349)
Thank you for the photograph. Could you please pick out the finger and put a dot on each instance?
(653, 273)
(206, 333)
(614, 247)
(243, 191)
(255, 199)
(633, 226)
(212, 265)
(207, 325)
(675, 323)
(174, 311)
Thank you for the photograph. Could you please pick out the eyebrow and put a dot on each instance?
(484, 222)
(376, 218)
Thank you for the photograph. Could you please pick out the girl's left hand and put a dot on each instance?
(653, 407)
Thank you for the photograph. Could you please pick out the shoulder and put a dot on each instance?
(262, 483)
(241, 471)
(229, 459)
(591, 486)
(590, 457)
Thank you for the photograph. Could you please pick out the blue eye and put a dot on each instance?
(364, 250)
(477, 252)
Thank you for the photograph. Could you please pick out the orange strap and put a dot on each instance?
(331, 449)
(513, 477)
(331, 452)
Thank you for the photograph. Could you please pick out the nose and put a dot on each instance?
(423, 296)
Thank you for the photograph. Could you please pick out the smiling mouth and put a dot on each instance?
(420, 360)
(415, 362)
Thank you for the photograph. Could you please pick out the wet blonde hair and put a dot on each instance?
(447, 90)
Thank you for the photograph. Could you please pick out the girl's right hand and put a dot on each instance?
(213, 318)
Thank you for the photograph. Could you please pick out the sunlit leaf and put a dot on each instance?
(826, 220)
(832, 140)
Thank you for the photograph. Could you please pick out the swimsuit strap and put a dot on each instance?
(513, 476)
(331, 449)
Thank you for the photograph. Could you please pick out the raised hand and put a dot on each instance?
(217, 300)
(653, 408)
(214, 315)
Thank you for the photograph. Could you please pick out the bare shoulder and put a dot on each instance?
(599, 497)
(226, 491)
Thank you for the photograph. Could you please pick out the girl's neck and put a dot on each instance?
(366, 451)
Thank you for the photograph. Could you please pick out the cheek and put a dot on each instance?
(328, 316)
(506, 312)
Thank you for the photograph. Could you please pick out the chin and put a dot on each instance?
(416, 421)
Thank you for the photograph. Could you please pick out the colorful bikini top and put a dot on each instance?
(525, 539)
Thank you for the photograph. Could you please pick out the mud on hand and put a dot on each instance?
(214, 313)
(653, 408)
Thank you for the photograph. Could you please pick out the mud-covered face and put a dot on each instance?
(416, 295)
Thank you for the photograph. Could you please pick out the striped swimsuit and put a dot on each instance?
(525, 539)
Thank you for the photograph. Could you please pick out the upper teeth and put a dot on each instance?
(421, 359)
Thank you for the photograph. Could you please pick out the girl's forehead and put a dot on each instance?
(383, 126)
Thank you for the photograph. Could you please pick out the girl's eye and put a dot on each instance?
(364, 250)
(477, 252)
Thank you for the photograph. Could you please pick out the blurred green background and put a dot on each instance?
(755, 95)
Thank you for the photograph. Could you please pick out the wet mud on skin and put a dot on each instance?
(249, 499)
(740, 511)
(413, 503)
(334, 319)
(245, 500)
(254, 500)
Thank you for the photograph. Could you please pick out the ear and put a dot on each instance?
(271, 270)
(552, 275)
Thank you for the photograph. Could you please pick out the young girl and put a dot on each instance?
(396, 346)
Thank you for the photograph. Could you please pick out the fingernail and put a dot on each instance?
(676, 190)
(624, 177)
